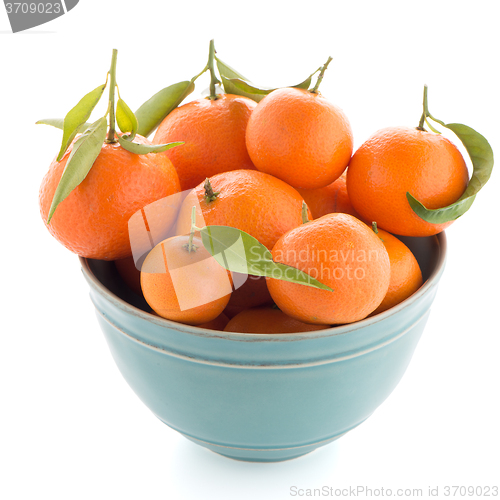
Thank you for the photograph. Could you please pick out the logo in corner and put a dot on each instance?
(26, 15)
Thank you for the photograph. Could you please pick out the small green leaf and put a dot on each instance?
(143, 149)
(236, 83)
(59, 123)
(77, 116)
(155, 109)
(239, 252)
(85, 151)
(244, 86)
(126, 119)
(481, 155)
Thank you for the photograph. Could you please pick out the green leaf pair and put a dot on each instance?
(239, 252)
(481, 156)
(236, 83)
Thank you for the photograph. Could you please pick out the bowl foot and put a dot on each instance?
(261, 454)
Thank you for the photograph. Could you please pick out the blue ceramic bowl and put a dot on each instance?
(262, 397)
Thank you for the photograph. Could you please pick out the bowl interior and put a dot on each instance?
(428, 251)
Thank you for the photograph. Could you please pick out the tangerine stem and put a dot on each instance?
(425, 113)
(305, 215)
(190, 247)
(210, 195)
(321, 74)
(374, 227)
(213, 78)
(112, 85)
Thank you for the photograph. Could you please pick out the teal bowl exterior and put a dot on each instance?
(262, 397)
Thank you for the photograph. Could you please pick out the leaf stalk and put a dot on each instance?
(112, 84)
(213, 78)
(321, 75)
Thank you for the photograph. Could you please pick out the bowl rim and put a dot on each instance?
(277, 337)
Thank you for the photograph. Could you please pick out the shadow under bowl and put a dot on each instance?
(262, 397)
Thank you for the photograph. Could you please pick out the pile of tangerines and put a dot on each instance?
(276, 164)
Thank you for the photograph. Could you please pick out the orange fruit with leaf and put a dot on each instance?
(414, 182)
(92, 221)
(100, 178)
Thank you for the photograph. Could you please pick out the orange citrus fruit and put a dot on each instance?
(252, 293)
(341, 252)
(268, 320)
(299, 137)
(406, 277)
(261, 205)
(184, 285)
(219, 323)
(213, 132)
(397, 160)
(93, 220)
(329, 199)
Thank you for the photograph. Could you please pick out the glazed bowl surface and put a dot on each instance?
(262, 397)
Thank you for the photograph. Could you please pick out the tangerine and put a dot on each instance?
(261, 205)
(406, 276)
(93, 220)
(213, 131)
(341, 252)
(219, 323)
(268, 320)
(252, 293)
(329, 199)
(182, 282)
(299, 137)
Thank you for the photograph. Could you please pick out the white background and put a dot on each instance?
(70, 426)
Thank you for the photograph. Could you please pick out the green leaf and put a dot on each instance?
(155, 109)
(59, 123)
(227, 73)
(143, 149)
(239, 252)
(126, 119)
(245, 87)
(85, 151)
(481, 155)
(77, 116)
